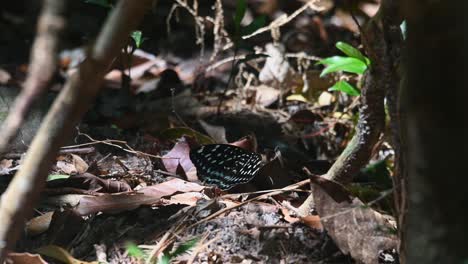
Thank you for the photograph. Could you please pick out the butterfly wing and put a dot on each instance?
(225, 165)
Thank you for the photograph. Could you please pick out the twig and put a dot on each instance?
(226, 60)
(111, 142)
(165, 241)
(302, 55)
(158, 248)
(369, 204)
(73, 101)
(198, 249)
(282, 20)
(86, 150)
(231, 75)
(43, 65)
(263, 196)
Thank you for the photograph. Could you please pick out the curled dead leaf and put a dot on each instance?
(312, 221)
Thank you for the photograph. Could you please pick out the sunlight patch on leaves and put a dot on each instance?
(352, 52)
(346, 64)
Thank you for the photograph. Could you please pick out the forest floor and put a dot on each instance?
(126, 188)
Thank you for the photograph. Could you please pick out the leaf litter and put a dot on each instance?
(141, 185)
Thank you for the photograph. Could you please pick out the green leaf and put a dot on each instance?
(137, 37)
(241, 7)
(53, 177)
(183, 248)
(352, 52)
(178, 132)
(345, 87)
(134, 251)
(346, 64)
(165, 259)
(330, 60)
(257, 23)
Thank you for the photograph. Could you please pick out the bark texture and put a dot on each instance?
(435, 97)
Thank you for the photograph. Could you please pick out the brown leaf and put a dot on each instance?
(88, 181)
(335, 189)
(266, 95)
(312, 221)
(357, 230)
(179, 154)
(170, 187)
(24, 258)
(114, 203)
(287, 216)
(80, 165)
(39, 224)
(189, 198)
(66, 167)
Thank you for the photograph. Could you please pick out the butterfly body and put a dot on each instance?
(225, 165)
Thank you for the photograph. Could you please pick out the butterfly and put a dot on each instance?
(225, 165)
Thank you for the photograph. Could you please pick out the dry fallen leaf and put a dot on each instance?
(312, 221)
(189, 198)
(88, 181)
(39, 224)
(266, 95)
(24, 258)
(325, 99)
(179, 154)
(287, 216)
(115, 203)
(65, 167)
(80, 165)
(357, 230)
(334, 189)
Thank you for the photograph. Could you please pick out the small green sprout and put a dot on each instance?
(355, 62)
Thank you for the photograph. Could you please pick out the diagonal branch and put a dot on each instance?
(74, 100)
(43, 65)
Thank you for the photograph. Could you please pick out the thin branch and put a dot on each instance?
(282, 20)
(43, 65)
(74, 100)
